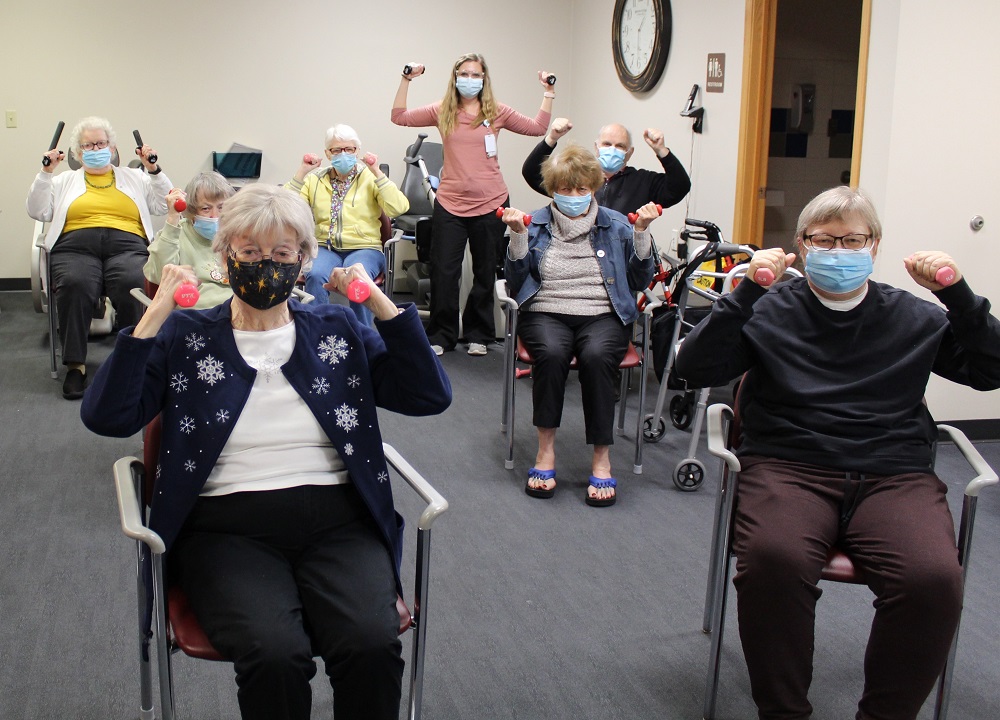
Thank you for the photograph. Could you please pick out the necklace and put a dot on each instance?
(100, 187)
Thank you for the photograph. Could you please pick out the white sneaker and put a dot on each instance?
(477, 349)
(438, 350)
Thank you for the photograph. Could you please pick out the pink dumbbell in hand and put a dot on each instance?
(944, 276)
(632, 217)
(526, 220)
(186, 295)
(358, 291)
(310, 159)
(763, 277)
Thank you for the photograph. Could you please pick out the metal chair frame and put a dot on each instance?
(838, 568)
(634, 360)
(130, 484)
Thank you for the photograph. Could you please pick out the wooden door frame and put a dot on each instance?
(755, 115)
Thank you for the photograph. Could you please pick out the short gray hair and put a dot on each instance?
(206, 186)
(262, 210)
(343, 133)
(839, 203)
(90, 123)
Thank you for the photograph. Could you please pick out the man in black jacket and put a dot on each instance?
(626, 188)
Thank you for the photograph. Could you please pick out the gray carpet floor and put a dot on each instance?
(538, 609)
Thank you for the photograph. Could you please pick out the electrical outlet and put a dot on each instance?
(11, 118)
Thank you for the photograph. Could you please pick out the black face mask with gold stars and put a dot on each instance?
(263, 284)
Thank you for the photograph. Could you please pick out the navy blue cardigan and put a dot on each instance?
(193, 373)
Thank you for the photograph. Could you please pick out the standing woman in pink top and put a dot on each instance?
(472, 188)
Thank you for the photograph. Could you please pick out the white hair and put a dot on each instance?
(343, 133)
(90, 123)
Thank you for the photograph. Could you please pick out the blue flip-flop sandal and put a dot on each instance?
(600, 484)
(540, 492)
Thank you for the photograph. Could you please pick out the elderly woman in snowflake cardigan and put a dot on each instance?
(272, 489)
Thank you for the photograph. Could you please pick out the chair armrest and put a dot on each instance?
(436, 504)
(985, 475)
(718, 417)
(140, 295)
(503, 297)
(129, 509)
(302, 296)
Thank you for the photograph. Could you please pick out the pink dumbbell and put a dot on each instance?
(527, 218)
(632, 217)
(186, 295)
(311, 159)
(944, 276)
(763, 277)
(358, 291)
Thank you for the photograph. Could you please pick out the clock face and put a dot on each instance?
(637, 34)
(640, 41)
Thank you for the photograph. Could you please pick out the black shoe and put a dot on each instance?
(74, 385)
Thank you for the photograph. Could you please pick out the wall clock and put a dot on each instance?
(640, 41)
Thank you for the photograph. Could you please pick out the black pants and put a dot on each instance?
(902, 538)
(484, 233)
(85, 264)
(277, 577)
(599, 343)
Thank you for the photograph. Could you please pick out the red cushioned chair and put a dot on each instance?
(515, 351)
(176, 628)
(839, 567)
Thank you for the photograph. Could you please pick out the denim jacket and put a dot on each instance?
(612, 239)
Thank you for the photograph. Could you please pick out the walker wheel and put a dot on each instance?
(689, 475)
(680, 412)
(651, 435)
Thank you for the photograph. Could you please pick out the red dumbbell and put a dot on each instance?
(358, 291)
(180, 204)
(527, 218)
(763, 277)
(944, 276)
(186, 295)
(632, 217)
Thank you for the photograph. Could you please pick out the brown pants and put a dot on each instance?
(899, 532)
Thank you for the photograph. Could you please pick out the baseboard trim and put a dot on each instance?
(15, 284)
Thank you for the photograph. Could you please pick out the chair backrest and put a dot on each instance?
(412, 185)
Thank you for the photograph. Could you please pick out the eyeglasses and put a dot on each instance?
(94, 145)
(470, 75)
(282, 256)
(822, 241)
(341, 151)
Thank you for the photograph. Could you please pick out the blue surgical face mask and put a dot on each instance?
(469, 87)
(612, 159)
(838, 271)
(572, 205)
(97, 158)
(344, 162)
(206, 227)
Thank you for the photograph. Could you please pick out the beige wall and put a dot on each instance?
(930, 152)
(196, 76)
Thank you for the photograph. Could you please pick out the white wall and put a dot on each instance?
(930, 151)
(700, 28)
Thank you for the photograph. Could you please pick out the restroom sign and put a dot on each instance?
(715, 80)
